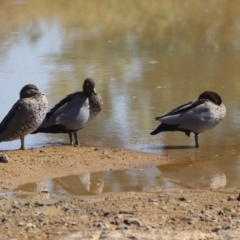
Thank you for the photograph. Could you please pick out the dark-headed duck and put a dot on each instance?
(73, 112)
(195, 116)
(25, 116)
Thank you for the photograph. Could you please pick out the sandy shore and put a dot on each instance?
(49, 162)
(127, 215)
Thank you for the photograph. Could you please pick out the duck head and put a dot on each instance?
(212, 96)
(29, 90)
(89, 86)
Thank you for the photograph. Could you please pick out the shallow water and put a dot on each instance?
(141, 68)
(138, 180)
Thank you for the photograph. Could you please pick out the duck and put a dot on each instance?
(195, 116)
(73, 112)
(25, 116)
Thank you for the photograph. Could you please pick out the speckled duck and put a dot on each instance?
(25, 116)
(195, 116)
(73, 112)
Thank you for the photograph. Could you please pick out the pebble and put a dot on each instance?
(182, 204)
(37, 204)
(4, 220)
(183, 199)
(133, 221)
(101, 224)
(21, 224)
(30, 225)
(122, 227)
(126, 212)
(216, 229)
(226, 227)
(221, 213)
(152, 200)
(230, 198)
(238, 197)
(4, 158)
(189, 220)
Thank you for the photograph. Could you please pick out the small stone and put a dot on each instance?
(40, 214)
(227, 209)
(183, 199)
(101, 224)
(164, 208)
(226, 227)
(72, 223)
(126, 212)
(4, 158)
(49, 204)
(221, 213)
(133, 221)
(15, 205)
(189, 220)
(182, 204)
(96, 149)
(30, 225)
(21, 224)
(66, 209)
(105, 152)
(122, 227)
(37, 204)
(153, 201)
(106, 214)
(3, 220)
(230, 198)
(238, 198)
(115, 222)
(216, 229)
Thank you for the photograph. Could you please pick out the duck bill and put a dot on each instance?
(94, 90)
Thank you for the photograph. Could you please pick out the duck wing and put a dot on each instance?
(64, 101)
(9, 117)
(72, 112)
(172, 117)
(14, 121)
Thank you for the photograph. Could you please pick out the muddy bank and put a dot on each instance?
(127, 215)
(48, 162)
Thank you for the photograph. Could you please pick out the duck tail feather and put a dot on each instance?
(52, 129)
(164, 128)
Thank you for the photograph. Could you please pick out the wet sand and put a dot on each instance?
(33, 165)
(128, 215)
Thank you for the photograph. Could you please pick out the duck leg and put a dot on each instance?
(76, 138)
(196, 140)
(22, 144)
(70, 138)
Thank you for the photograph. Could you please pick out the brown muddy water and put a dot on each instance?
(150, 179)
(146, 58)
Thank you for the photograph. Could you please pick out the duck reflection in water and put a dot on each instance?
(197, 176)
(37, 190)
(80, 185)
